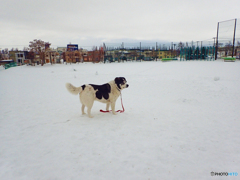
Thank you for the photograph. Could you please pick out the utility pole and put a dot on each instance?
(104, 48)
(140, 52)
(216, 48)
(175, 53)
(234, 36)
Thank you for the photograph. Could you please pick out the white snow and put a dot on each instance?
(181, 121)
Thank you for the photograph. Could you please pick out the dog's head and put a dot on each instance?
(121, 83)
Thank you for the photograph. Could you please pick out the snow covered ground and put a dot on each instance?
(181, 121)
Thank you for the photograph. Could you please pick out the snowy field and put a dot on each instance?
(181, 121)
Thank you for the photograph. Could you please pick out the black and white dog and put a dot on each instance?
(106, 93)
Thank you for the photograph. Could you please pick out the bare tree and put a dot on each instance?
(30, 55)
(238, 43)
(25, 49)
(68, 56)
(14, 49)
(5, 53)
(94, 54)
(101, 53)
(1, 56)
(38, 46)
(180, 45)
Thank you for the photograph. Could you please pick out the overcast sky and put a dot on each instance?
(92, 22)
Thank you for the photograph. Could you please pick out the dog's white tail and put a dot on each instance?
(72, 89)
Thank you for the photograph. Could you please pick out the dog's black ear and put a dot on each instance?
(117, 80)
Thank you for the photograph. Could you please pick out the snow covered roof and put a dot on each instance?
(7, 60)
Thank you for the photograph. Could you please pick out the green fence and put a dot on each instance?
(192, 53)
(12, 64)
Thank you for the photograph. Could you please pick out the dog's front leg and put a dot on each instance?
(113, 107)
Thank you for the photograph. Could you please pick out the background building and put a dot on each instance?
(18, 56)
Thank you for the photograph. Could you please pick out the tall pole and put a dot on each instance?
(140, 51)
(234, 36)
(216, 48)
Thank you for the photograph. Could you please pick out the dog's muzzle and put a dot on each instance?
(127, 85)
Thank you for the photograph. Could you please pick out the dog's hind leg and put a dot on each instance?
(83, 106)
(107, 107)
(89, 107)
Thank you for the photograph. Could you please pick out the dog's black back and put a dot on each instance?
(102, 90)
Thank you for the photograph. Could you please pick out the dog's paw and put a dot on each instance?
(114, 113)
(90, 116)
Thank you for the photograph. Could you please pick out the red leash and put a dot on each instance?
(121, 111)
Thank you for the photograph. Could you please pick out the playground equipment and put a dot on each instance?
(192, 53)
(169, 59)
(229, 59)
(226, 31)
(12, 64)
